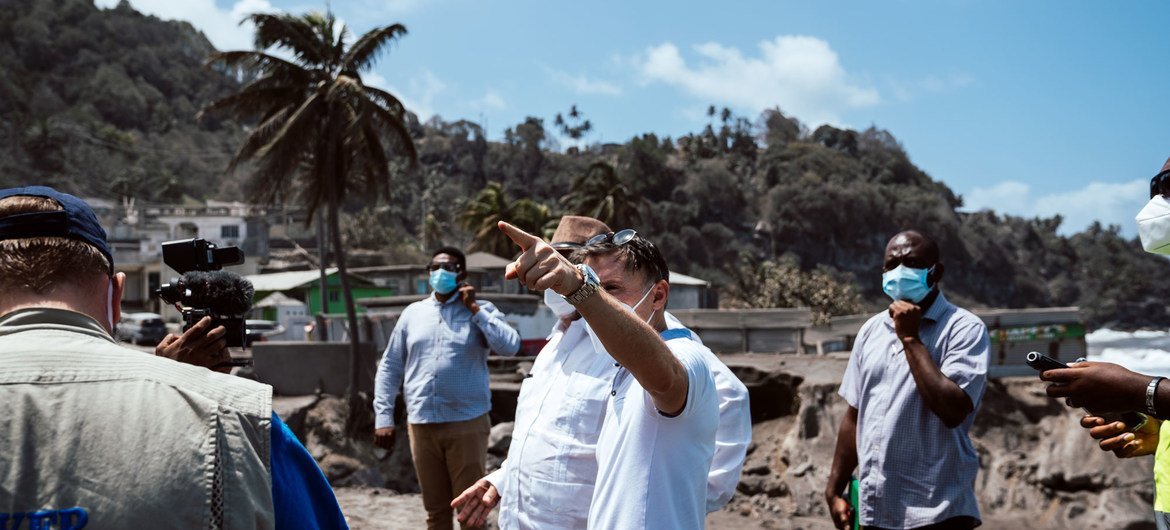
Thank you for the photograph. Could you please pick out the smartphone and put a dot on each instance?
(1133, 420)
(1041, 362)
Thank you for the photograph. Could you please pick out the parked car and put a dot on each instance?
(141, 328)
(260, 331)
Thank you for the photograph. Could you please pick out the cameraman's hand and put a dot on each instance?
(384, 438)
(467, 296)
(1115, 436)
(198, 346)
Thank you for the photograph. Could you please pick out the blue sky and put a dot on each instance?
(1030, 108)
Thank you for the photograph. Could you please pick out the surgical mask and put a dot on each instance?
(597, 345)
(905, 283)
(1154, 225)
(643, 299)
(443, 281)
(560, 307)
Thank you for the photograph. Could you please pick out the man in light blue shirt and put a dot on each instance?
(913, 384)
(438, 352)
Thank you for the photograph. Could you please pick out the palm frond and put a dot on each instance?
(385, 99)
(255, 60)
(370, 45)
(293, 33)
(300, 124)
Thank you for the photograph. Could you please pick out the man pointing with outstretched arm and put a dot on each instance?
(658, 434)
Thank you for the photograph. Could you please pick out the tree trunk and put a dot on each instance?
(323, 261)
(336, 162)
(350, 316)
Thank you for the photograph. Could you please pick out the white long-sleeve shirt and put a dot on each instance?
(551, 466)
(549, 475)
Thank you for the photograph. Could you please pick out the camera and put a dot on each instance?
(205, 289)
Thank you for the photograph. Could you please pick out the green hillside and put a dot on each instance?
(103, 102)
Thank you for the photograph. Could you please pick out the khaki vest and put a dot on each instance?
(96, 435)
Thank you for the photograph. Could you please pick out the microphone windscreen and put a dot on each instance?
(225, 293)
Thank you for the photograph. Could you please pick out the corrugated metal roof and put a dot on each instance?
(284, 281)
(484, 260)
(278, 299)
(683, 279)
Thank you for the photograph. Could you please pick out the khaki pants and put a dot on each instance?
(448, 458)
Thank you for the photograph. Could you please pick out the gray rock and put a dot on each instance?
(500, 439)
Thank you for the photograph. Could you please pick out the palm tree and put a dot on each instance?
(490, 206)
(601, 194)
(320, 134)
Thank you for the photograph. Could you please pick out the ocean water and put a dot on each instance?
(1146, 352)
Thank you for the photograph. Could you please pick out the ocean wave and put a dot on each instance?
(1109, 335)
(1152, 361)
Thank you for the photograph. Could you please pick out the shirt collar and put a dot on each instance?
(938, 309)
(934, 313)
(435, 299)
(39, 317)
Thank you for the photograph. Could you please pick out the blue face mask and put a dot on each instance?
(905, 283)
(443, 281)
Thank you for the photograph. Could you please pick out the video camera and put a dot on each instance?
(205, 289)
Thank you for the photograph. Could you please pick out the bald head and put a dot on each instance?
(912, 249)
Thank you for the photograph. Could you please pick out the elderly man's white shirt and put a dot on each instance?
(735, 426)
(549, 475)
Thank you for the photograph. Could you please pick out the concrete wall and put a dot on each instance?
(299, 368)
(685, 297)
(749, 330)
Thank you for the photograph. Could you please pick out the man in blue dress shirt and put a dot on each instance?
(438, 352)
(913, 384)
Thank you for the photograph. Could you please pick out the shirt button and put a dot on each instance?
(613, 392)
(616, 364)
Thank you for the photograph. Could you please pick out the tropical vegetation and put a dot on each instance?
(103, 102)
(319, 133)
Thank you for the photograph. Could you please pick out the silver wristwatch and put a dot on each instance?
(587, 288)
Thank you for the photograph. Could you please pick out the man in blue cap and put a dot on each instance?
(95, 434)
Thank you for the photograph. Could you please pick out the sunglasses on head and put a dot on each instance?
(1160, 184)
(447, 266)
(618, 238)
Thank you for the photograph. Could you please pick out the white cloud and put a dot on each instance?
(1006, 197)
(1111, 203)
(491, 100)
(419, 97)
(800, 74)
(221, 26)
(583, 85)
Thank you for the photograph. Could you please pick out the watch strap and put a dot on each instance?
(1151, 390)
(588, 286)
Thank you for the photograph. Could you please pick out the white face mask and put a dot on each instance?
(597, 345)
(560, 307)
(1154, 226)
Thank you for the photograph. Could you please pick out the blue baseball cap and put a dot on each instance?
(75, 220)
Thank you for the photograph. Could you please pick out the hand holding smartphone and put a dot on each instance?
(1041, 363)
